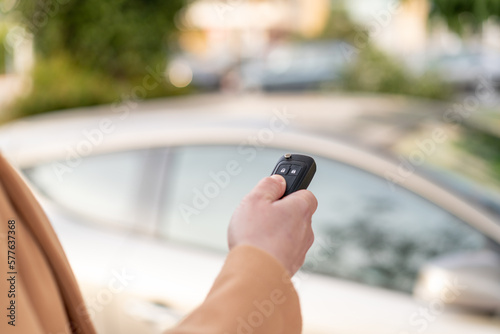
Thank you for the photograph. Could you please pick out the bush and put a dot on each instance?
(461, 15)
(483, 145)
(374, 71)
(91, 52)
(116, 37)
(3, 51)
(60, 84)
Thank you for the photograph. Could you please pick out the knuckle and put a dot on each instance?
(311, 239)
(313, 201)
(305, 205)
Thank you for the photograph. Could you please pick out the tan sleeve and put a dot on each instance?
(252, 294)
(45, 297)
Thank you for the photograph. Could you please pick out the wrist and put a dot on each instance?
(279, 258)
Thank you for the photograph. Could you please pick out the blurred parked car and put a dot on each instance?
(297, 66)
(466, 70)
(141, 200)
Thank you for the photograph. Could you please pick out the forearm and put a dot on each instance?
(252, 294)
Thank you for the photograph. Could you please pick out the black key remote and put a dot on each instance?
(298, 171)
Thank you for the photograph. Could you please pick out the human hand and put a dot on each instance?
(281, 227)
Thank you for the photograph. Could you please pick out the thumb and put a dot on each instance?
(271, 188)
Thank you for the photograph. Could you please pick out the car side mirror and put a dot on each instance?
(466, 280)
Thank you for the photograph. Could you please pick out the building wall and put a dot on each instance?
(397, 27)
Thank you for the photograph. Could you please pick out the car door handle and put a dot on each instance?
(155, 313)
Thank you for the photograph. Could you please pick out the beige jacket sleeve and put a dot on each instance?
(38, 291)
(253, 294)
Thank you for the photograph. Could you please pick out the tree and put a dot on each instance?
(92, 51)
(462, 13)
(117, 37)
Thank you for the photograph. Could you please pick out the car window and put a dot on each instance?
(103, 188)
(205, 186)
(378, 233)
(366, 230)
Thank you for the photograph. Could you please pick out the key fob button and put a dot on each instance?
(298, 171)
(283, 169)
(294, 170)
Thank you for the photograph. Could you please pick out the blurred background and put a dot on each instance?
(429, 49)
(62, 54)
(98, 98)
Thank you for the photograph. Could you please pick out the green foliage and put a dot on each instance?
(91, 52)
(374, 71)
(485, 146)
(3, 50)
(465, 13)
(117, 37)
(340, 25)
(59, 84)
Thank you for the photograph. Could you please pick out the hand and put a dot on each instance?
(281, 227)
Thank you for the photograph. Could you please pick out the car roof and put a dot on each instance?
(337, 127)
(376, 122)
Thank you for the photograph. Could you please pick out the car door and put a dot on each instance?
(155, 252)
(104, 212)
(95, 208)
(371, 238)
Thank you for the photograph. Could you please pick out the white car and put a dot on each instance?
(141, 196)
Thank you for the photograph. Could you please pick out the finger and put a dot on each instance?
(301, 199)
(270, 188)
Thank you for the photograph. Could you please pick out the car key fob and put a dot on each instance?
(298, 171)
